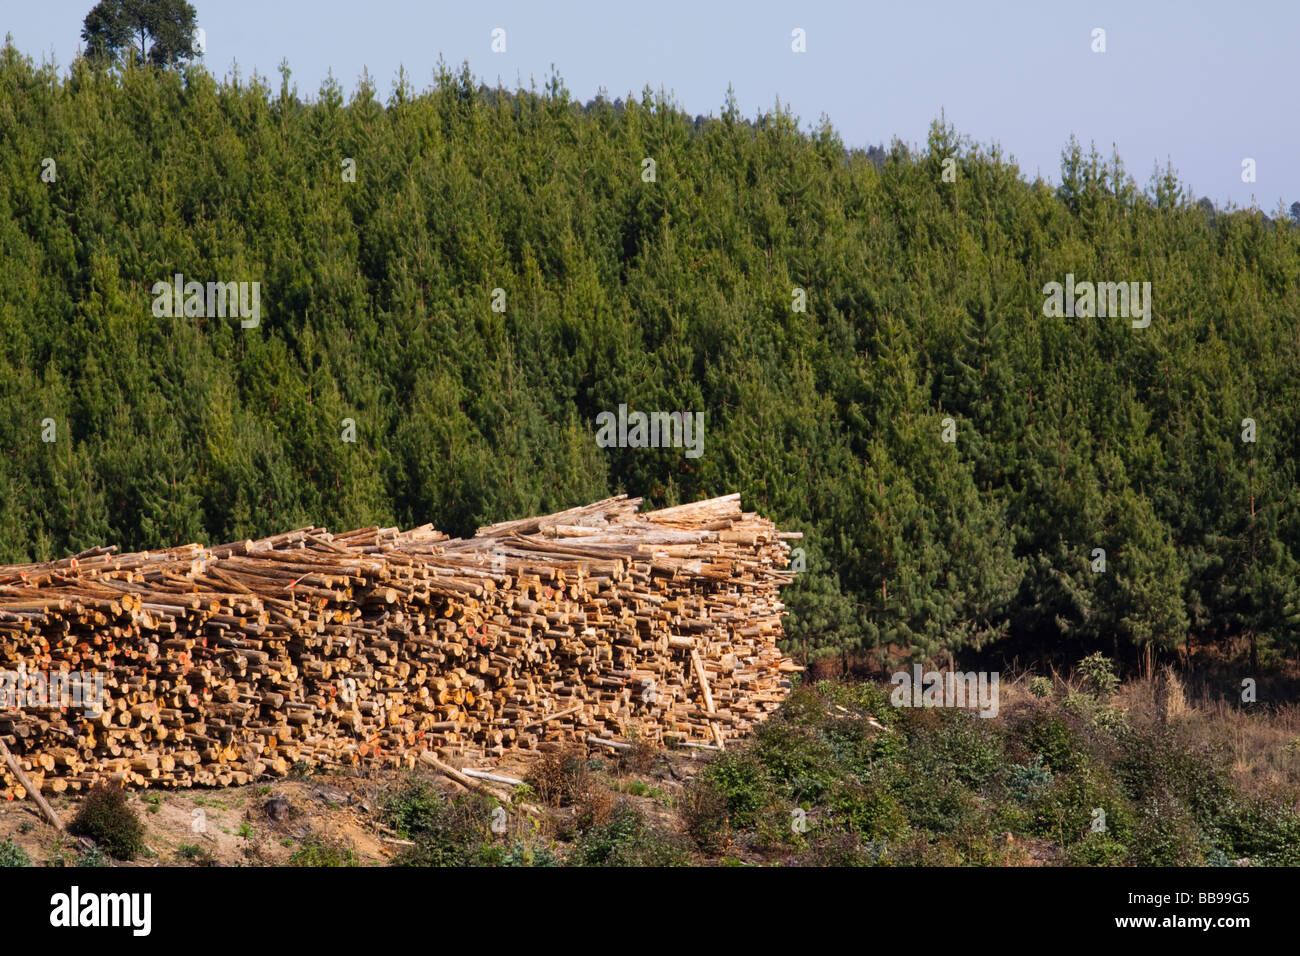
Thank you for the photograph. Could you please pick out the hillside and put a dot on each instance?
(926, 300)
(1071, 772)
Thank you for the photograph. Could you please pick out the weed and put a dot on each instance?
(193, 853)
(318, 851)
(13, 855)
(94, 856)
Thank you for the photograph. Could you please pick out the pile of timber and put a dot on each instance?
(221, 665)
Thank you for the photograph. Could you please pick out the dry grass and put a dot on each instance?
(1262, 742)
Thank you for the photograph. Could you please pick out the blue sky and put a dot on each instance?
(1204, 85)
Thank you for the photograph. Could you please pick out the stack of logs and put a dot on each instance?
(224, 664)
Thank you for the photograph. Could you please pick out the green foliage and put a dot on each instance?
(454, 832)
(1099, 672)
(107, 818)
(412, 807)
(13, 855)
(319, 851)
(1027, 781)
(522, 854)
(627, 839)
(1049, 736)
(1097, 849)
(1266, 833)
(953, 789)
(193, 853)
(116, 29)
(92, 857)
(924, 303)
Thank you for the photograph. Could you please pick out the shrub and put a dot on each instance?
(628, 840)
(1099, 672)
(11, 854)
(410, 808)
(1040, 686)
(640, 757)
(1165, 835)
(704, 814)
(521, 854)
(108, 819)
(840, 848)
(445, 833)
(743, 783)
(1097, 849)
(795, 760)
(865, 810)
(560, 776)
(1066, 809)
(1028, 781)
(1111, 720)
(1156, 763)
(1266, 833)
(968, 747)
(1048, 735)
(933, 802)
(594, 807)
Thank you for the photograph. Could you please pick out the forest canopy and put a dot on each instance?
(1107, 485)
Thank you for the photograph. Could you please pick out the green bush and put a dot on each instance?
(1066, 809)
(967, 746)
(1099, 672)
(744, 785)
(1028, 781)
(1266, 833)
(92, 857)
(932, 802)
(1166, 834)
(1048, 735)
(521, 854)
(107, 818)
(1156, 763)
(1097, 849)
(868, 811)
(445, 832)
(628, 840)
(411, 807)
(11, 854)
